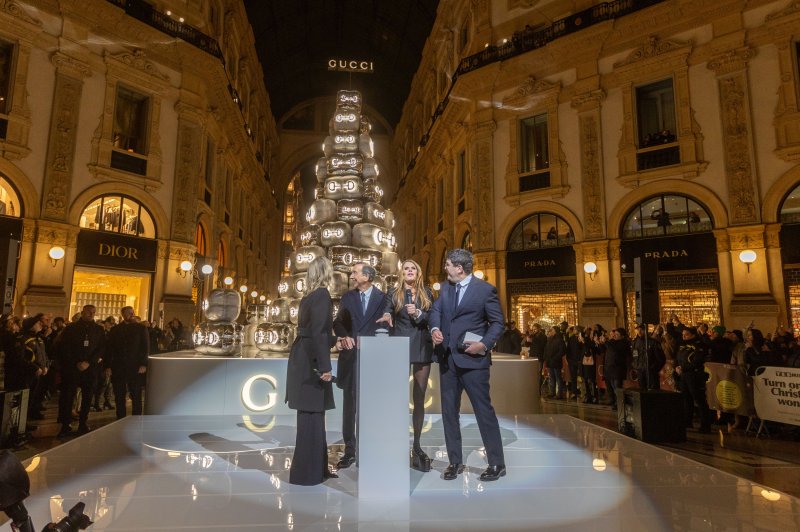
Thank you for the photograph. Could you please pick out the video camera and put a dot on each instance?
(15, 487)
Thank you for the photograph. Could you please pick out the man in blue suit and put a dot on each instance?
(359, 310)
(467, 305)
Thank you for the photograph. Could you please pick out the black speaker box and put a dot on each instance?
(645, 283)
(14, 415)
(653, 416)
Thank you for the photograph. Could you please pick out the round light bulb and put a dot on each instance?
(207, 269)
(437, 286)
(56, 253)
(228, 281)
(262, 298)
(186, 266)
(254, 294)
(243, 288)
(748, 256)
(590, 267)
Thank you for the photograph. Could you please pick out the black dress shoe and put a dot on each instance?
(420, 461)
(493, 472)
(83, 429)
(452, 471)
(345, 462)
(329, 474)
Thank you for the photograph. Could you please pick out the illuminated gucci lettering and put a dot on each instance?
(339, 163)
(348, 98)
(349, 139)
(345, 117)
(349, 186)
(272, 397)
(380, 214)
(283, 286)
(329, 233)
(350, 210)
(300, 285)
(302, 258)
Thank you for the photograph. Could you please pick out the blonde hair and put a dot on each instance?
(320, 274)
(398, 298)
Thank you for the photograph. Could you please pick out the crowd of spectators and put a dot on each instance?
(670, 356)
(53, 359)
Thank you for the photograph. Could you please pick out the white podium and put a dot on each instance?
(383, 418)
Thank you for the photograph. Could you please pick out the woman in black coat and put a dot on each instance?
(308, 379)
(406, 311)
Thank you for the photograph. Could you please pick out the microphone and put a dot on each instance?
(409, 297)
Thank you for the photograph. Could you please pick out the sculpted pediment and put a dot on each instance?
(652, 47)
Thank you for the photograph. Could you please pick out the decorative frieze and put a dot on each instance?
(482, 150)
(591, 176)
(187, 168)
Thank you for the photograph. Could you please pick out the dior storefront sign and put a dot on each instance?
(111, 250)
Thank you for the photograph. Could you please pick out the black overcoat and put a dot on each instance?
(311, 351)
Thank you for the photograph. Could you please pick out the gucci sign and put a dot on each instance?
(345, 65)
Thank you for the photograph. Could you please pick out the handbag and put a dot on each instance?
(588, 360)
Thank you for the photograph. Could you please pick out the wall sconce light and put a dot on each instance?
(437, 286)
(479, 274)
(254, 294)
(228, 281)
(185, 267)
(207, 269)
(243, 288)
(262, 298)
(590, 268)
(56, 253)
(748, 257)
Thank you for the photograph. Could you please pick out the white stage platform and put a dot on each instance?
(230, 473)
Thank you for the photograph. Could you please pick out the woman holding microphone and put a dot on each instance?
(308, 379)
(406, 311)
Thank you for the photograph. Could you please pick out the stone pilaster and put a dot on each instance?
(592, 180)
(63, 128)
(483, 185)
(737, 134)
(187, 170)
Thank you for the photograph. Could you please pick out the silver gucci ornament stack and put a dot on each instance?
(346, 222)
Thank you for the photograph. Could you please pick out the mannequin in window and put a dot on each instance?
(534, 239)
(661, 217)
(552, 234)
(694, 218)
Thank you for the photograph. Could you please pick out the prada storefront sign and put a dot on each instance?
(672, 253)
(534, 263)
(112, 250)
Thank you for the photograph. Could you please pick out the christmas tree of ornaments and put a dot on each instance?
(346, 223)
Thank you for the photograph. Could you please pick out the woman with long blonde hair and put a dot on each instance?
(406, 311)
(308, 379)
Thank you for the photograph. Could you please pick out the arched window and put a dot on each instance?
(9, 199)
(200, 240)
(790, 210)
(540, 230)
(118, 214)
(466, 242)
(666, 215)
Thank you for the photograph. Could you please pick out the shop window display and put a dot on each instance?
(118, 214)
(9, 201)
(665, 216)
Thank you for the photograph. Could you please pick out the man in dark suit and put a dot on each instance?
(125, 362)
(467, 305)
(359, 311)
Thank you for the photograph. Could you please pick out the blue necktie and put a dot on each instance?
(455, 303)
(364, 302)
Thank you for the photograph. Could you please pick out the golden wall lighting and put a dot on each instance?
(184, 268)
(590, 268)
(207, 269)
(56, 253)
(243, 288)
(228, 281)
(254, 294)
(479, 274)
(748, 257)
(437, 286)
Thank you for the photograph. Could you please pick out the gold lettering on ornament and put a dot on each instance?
(120, 252)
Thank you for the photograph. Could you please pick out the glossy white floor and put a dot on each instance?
(230, 473)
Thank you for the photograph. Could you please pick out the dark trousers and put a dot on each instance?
(103, 389)
(454, 380)
(124, 384)
(71, 380)
(590, 381)
(310, 460)
(575, 368)
(693, 389)
(349, 417)
(613, 384)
